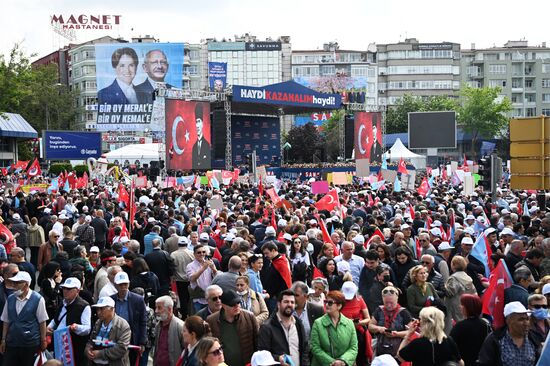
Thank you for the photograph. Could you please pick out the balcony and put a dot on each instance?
(517, 89)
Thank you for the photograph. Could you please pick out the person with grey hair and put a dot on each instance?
(49, 249)
(17, 256)
(110, 289)
(169, 342)
(213, 295)
(513, 256)
(519, 290)
(540, 324)
(171, 244)
(227, 280)
(305, 310)
(161, 264)
(133, 246)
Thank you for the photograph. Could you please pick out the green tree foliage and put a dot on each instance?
(35, 92)
(331, 133)
(397, 116)
(305, 141)
(483, 113)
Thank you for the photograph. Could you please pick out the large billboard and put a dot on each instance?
(69, 145)
(432, 130)
(188, 136)
(127, 75)
(368, 136)
(250, 133)
(217, 76)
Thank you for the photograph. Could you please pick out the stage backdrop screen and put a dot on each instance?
(432, 130)
(127, 75)
(188, 136)
(69, 145)
(250, 133)
(368, 136)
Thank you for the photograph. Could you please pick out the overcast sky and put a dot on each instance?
(352, 23)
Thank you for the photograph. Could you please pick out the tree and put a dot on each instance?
(305, 141)
(35, 92)
(483, 113)
(397, 116)
(331, 134)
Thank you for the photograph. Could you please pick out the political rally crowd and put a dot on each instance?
(254, 274)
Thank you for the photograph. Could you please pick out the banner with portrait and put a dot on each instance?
(188, 137)
(368, 136)
(217, 76)
(127, 75)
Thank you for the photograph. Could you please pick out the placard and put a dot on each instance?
(389, 175)
(319, 187)
(339, 178)
(216, 203)
(362, 167)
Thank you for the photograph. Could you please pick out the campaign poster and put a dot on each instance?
(188, 137)
(368, 136)
(127, 75)
(262, 134)
(217, 76)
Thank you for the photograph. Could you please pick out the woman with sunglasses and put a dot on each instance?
(420, 293)
(300, 261)
(210, 352)
(388, 322)
(333, 337)
(433, 347)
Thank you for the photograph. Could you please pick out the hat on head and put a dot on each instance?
(490, 231)
(504, 211)
(16, 216)
(507, 231)
(22, 276)
(204, 237)
(281, 222)
(287, 236)
(88, 218)
(121, 277)
(63, 217)
(343, 266)
(124, 239)
(359, 239)
(515, 307)
(436, 223)
(151, 220)
(469, 230)
(182, 241)
(230, 298)
(223, 224)
(546, 289)
(405, 226)
(47, 210)
(481, 219)
(263, 358)
(313, 222)
(435, 232)
(71, 282)
(444, 246)
(94, 249)
(229, 237)
(470, 217)
(349, 289)
(384, 360)
(104, 302)
(467, 240)
(270, 230)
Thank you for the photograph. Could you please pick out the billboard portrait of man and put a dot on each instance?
(122, 90)
(376, 147)
(201, 149)
(368, 136)
(156, 67)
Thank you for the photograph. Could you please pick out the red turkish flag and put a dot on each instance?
(21, 164)
(273, 195)
(123, 195)
(8, 239)
(424, 187)
(378, 233)
(236, 173)
(329, 201)
(493, 298)
(402, 168)
(34, 169)
(326, 235)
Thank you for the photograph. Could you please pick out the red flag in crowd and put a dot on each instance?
(418, 249)
(370, 202)
(236, 173)
(4, 171)
(402, 168)
(411, 211)
(378, 233)
(326, 235)
(123, 195)
(21, 164)
(444, 174)
(273, 219)
(9, 240)
(424, 187)
(493, 298)
(34, 169)
(273, 195)
(72, 180)
(132, 208)
(429, 171)
(329, 201)
(261, 187)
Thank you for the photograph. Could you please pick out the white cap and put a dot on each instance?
(104, 301)
(88, 218)
(287, 236)
(349, 289)
(94, 249)
(84, 208)
(151, 220)
(229, 237)
(384, 360)
(469, 230)
(270, 230)
(47, 210)
(313, 222)
(489, 231)
(61, 217)
(405, 226)
(481, 219)
(124, 240)
(435, 232)
(71, 282)
(515, 307)
(507, 231)
(444, 246)
(470, 217)
(182, 241)
(191, 205)
(16, 216)
(263, 358)
(436, 223)
(359, 239)
(21, 276)
(343, 266)
(204, 237)
(504, 211)
(546, 289)
(281, 222)
(223, 224)
(121, 277)
(467, 240)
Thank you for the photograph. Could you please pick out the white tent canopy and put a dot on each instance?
(398, 151)
(145, 153)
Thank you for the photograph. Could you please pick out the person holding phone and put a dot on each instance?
(200, 273)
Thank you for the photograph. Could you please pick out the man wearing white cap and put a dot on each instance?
(58, 226)
(75, 314)
(512, 343)
(110, 337)
(475, 268)
(24, 328)
(182, 257)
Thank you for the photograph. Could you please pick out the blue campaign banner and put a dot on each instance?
(217, 76)
(287, 93)
(67, 145)
(63, 346)
(262, 134)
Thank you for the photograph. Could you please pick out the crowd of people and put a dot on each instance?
(384, 278)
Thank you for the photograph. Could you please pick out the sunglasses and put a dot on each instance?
(425, 262)
(56, 236)
(389, 292)
(297, 241)
(215, 298)
(329, 302)
(539, 306)
(217, 352)
(422, 240)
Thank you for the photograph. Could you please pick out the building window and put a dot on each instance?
(546, 98)
(497, 69)
(5, 145)
(546, 68)
(497, 82)
(327, 70)
(546, 112)
(546, 83)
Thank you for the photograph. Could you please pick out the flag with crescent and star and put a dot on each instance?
(329, 201)
(182, 130)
